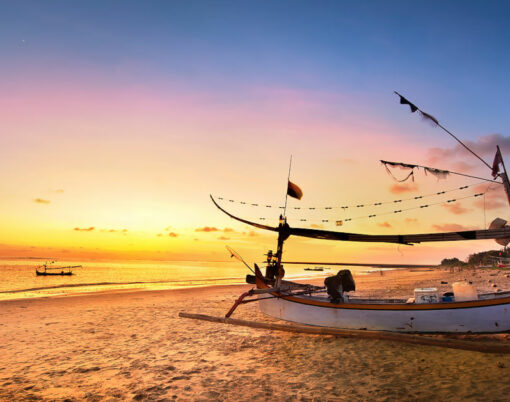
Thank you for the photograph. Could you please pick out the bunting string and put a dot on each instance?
(353, 206)
(397, 211)
(340, 222)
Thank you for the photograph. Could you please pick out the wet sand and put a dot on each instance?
(133, 345)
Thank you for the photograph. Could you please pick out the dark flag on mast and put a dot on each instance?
(495, 165)
(294, 191)
(404, 101)
(414, 108)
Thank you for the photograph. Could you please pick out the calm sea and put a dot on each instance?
(18, 278)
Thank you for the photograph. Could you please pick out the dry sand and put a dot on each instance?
(133, 345)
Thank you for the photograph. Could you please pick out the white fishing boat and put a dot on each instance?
(331, 305)
(463, 310)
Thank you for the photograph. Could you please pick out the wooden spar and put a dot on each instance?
(360, 264)
(449, 171)
(284, 231)
(360, 334)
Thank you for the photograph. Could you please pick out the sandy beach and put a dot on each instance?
(132, 345)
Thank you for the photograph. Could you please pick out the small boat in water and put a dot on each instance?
(314, 269)
(47, 270)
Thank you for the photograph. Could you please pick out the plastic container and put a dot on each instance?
(426, 295)
(464, 291)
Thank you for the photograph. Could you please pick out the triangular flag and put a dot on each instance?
(495, 165)
(404, 101)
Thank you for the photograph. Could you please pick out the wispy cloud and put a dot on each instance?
(41, 201)
(114, 230)
(223, 238)
(494, 198)
(90, 229)
(484, 146)
(456, 209)
(384, 225)
(452, 227)
(171, 234)
(207, 229)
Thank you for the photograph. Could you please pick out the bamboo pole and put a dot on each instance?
(360, 334)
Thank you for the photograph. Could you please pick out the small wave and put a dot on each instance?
(78, 285)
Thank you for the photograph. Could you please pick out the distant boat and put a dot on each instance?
(46, 270)
(314, 269)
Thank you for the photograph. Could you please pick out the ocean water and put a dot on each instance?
(18, 278)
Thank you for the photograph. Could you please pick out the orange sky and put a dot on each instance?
(118, 122)
(95, 173)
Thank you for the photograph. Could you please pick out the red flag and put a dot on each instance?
(294, 191)
(495, 165)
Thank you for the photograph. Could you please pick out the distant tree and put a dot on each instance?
(452, 262)
(477, 259)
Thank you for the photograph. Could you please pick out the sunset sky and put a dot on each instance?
(119, 118)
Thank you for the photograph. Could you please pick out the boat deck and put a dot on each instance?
(322, 296)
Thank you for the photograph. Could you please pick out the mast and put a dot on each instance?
(287, 190)
(283, 233)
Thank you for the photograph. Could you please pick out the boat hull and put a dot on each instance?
(475, 319)
(480, 316)
(38, 273)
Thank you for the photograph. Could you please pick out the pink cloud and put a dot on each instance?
(495, 197)
(456, 209)
(484, 145)
(452, 227)
(400, 188)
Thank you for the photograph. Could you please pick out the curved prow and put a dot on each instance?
(257, 225)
